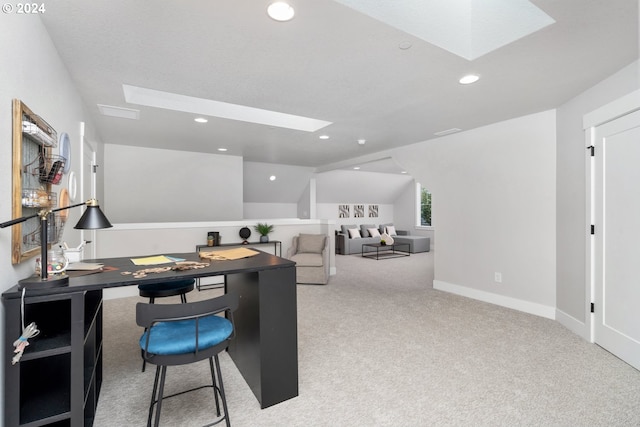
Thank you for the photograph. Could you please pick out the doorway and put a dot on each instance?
(615, 214)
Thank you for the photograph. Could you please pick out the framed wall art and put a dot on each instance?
(343, 211)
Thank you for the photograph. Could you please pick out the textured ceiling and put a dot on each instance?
(330, 63)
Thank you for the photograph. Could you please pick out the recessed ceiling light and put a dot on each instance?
(357, 168)
(468, 79)
(403, 172)
(362, 141)
(200, 120)
(324, 137)
(272, 178)
(222, 149)
(280, 11)
(404, 45)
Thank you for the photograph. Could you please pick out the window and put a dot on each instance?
(424, 204)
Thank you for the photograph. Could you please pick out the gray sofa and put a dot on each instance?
(346, 245)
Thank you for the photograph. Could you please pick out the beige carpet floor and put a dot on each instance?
(378, 346)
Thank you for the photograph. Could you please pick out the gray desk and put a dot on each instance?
(60, 374)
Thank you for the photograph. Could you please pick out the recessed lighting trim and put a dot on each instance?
(324, 137)
(200, 120)
(468, 79)
(222, 149)
(362, 141)
(280, 11)
(272, 178)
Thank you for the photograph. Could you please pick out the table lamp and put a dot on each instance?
(91, 219)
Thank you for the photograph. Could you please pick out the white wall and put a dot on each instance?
(344, 186)
(157, 185)
(330, 211)
(572, 294)
(33, 73)
(494, 210)
(288, 186)
(270, 210)
(304, 205)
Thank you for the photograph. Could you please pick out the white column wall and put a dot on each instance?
(494, 210)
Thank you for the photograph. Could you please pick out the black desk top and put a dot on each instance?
(112, 276)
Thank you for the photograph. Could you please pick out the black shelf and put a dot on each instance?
(44, 389)
(58, 379)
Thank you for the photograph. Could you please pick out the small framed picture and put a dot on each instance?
(343, 211)
(373, 211)
(358, 211)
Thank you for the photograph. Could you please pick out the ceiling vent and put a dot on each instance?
(122, 113)
(447, 132)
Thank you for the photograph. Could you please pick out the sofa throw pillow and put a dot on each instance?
(311, 243)
(373, 232)
(354, 233)
(346, 227)
(364, 229)
(391, 230)
(383, 227)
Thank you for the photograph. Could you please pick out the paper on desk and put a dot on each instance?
(152, 260)
(228, 254)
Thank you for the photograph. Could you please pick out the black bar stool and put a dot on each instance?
(167, 289)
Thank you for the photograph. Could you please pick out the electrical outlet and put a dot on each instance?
(497, 277)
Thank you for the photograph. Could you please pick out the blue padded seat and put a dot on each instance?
(167, 289)
(180, 337)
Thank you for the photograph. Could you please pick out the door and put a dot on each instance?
(617, 237)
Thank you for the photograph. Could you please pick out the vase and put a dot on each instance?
(264, 239)
(387, 239)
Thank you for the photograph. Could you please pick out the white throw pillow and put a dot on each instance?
(391, 230)
(354, 233)
(373, 232)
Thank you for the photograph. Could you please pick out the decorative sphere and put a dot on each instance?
(245, 232)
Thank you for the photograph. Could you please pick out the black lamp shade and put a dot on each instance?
(93, 218)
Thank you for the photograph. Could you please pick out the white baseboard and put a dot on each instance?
(574, 325)
(501, 300)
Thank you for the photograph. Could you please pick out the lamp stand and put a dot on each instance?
(44, 281)
(91, 219)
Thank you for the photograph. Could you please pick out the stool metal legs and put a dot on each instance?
(216, 384)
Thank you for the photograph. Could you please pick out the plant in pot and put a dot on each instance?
(264, 229)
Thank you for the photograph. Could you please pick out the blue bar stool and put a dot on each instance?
(165, 289)
(179, 334)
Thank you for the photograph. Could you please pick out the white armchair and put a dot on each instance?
(310, 252)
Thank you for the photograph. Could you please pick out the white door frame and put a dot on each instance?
(88, 154)
(607, 113)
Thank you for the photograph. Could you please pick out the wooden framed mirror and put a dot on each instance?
(33, 171)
